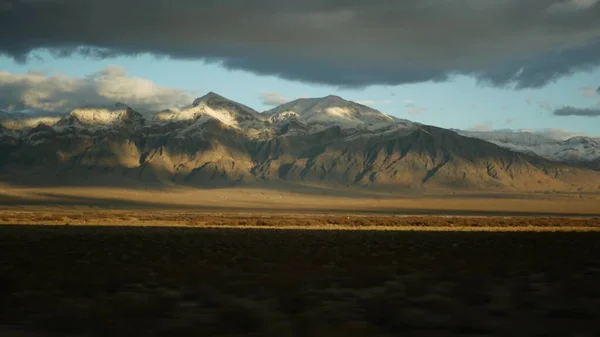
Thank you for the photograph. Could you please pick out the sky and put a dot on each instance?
(464, 64)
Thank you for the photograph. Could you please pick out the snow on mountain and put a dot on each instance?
(579, 149)
(523, 138)
(300, 117)
(102, 116)
(213, 106)
(321, 113)
(303, 116)
(218, 142)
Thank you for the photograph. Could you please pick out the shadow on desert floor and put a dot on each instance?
(307, 189)
(47, 199)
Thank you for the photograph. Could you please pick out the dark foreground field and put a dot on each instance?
(131, 281)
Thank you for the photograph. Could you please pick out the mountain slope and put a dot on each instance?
(420, 158)
(327, 141)
(576, 149)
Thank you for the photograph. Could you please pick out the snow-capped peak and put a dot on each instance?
(103, 115)
(328, 111)
(209, 97)
(581, 140)
(578, 148)
(214, 101)
(213, 106)
(523, 138)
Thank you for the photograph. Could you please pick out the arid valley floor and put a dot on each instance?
(85, 262)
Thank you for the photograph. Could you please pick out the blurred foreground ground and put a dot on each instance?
(179, 281)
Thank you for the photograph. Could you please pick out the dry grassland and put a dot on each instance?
(157, 218)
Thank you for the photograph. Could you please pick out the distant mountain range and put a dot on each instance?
(581, 150)
(216, 142)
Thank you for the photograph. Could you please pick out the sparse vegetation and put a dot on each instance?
(355, 222)
(175, 281)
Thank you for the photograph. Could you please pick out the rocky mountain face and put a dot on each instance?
(215, 142)
(577, 150)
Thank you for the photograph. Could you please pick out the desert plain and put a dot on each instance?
(252, 262)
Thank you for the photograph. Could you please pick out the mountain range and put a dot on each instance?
(328, 141)
(578, 149)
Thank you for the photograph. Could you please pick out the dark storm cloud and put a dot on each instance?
(572, 111)
(340, 42)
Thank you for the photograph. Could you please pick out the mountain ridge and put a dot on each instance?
(576, 149)
(328, 141)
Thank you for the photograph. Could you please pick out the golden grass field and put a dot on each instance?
(96, 262)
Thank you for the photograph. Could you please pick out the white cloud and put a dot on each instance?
(482, 127)
(373, 102)
(60, 93)
(273, 98)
